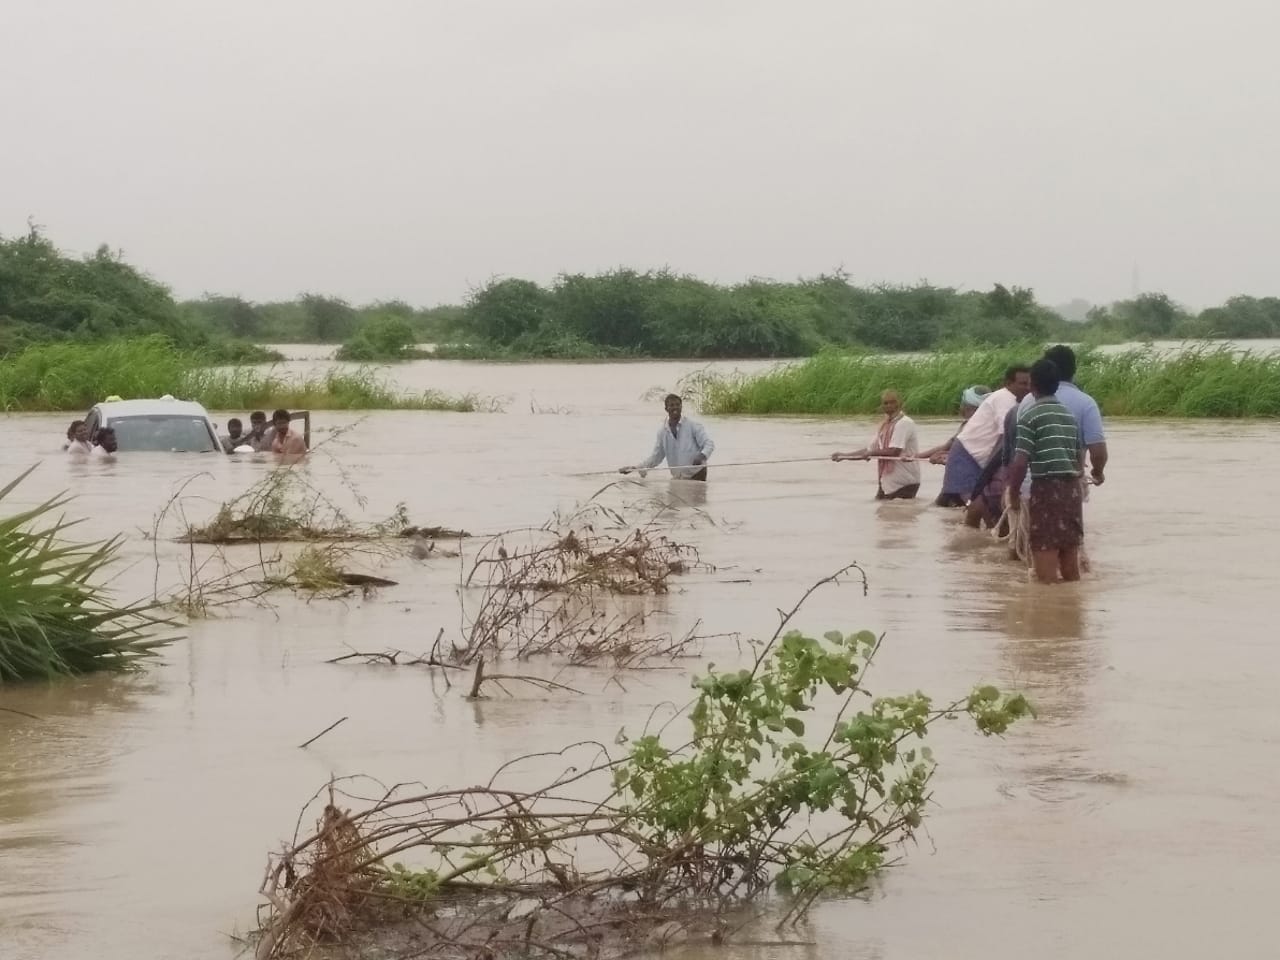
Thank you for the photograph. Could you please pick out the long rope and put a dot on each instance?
(753, 463)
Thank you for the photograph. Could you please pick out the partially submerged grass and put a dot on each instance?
(280, 534)
(74, 376)
(284, 507)
(53, 621)
(1208, 382)
(246, 388)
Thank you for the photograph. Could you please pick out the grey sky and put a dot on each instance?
(411, 148)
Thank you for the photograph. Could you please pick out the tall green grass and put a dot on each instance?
(74, 376)
(1139, 383)
(53, 621)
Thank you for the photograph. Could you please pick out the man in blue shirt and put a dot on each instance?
(1082, 406)
(682, 442)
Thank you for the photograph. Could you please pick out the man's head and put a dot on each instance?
(674, 406)
(1064, 359)
(971, 400)
(280, 420)
(257, 422)
(235, 427)
(890, 403)
(1017, 380)
(77, 431)
(106, 439)
(1044, 378)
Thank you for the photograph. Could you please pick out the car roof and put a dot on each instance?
(114, 409)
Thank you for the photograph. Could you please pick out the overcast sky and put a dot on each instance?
(413, 148)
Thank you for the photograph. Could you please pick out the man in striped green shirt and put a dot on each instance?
(1049, 445)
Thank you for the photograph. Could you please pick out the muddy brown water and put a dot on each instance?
(1137, 816)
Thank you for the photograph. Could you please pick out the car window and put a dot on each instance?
(163, 432)
(91, 421)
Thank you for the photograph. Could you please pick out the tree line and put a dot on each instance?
(45, 295)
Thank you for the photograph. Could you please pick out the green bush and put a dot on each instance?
(53, 621)
(382, 338)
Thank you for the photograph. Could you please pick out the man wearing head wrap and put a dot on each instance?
(896, 446)
(970, 399)
(978, 441)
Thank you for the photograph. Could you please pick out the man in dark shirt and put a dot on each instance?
(1050, 447)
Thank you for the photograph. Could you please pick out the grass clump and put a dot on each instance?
(74, 376)
(239, 388)
(281, 508)
(53, 621)
(1204, 382)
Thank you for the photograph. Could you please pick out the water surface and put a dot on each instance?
(1138, 816)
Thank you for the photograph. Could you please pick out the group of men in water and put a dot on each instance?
(276, 438)
(1019, 457)
(101, 444)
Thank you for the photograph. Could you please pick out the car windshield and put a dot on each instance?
(163, 431)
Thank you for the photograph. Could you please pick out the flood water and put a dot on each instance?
(1140, 815)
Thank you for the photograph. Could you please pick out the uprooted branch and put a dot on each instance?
(480, 678)
(284, 507)
(282, 533)
(562, 589)
(616, 850)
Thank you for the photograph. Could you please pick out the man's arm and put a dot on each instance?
(1021, 461)
(1098, 461)
(863, 453)
(1017, 473)
(706, 446)
(939, 453)
(1095, 440)
(851, 455)
(654, 458)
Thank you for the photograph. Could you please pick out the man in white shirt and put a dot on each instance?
(897, 444)
(683, 443)
(979, 439)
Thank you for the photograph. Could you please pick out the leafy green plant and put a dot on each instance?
(761, 796)
(53, 621)
(749, 773)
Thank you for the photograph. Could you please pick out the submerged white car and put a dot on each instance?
(165, 425)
